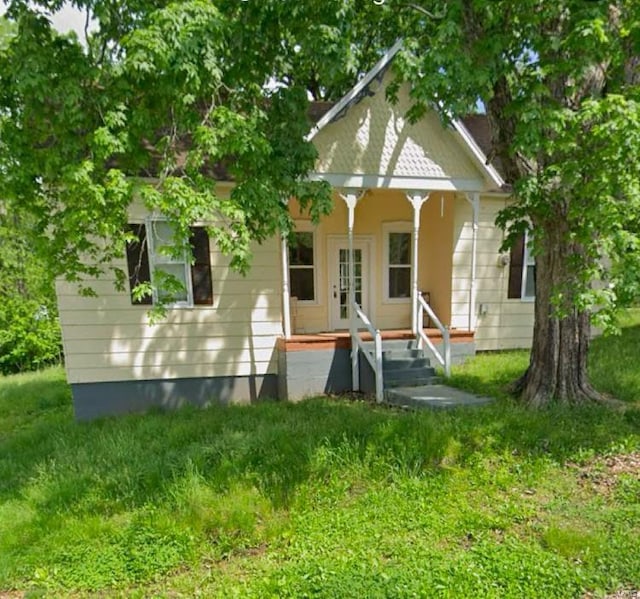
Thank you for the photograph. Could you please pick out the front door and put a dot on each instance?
(339, 284)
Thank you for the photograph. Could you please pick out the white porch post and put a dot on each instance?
(286, 294)
(474, 200)
(416, 200)
(351, 200)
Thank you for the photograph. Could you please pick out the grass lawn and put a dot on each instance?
(327, 498)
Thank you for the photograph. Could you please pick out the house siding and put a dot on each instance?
(107, 339)
(507, 323)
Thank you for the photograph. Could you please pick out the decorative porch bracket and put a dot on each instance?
(351, 198)
(416, 200)
(474, 200)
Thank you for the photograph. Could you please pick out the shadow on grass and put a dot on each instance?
(121, 500)
(131, 461)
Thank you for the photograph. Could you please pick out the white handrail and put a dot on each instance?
(376, 360)
(445, 361)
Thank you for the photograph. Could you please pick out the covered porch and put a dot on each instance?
(380, 267)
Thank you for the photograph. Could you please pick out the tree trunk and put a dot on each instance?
(561, 334)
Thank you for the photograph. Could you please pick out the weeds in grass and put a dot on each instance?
(324, 498)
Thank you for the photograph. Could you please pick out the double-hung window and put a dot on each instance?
(397, 254)
(522, 269)
(178, 278)
(170, 268)
(302, 276)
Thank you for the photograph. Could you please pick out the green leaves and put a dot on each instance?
(164, 101)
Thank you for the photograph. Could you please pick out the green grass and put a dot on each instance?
(326, 498)
(614, 367)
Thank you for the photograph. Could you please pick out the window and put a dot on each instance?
(397, 261)
(522, 270)
(302, 266)
(170, 273)
(176, 281)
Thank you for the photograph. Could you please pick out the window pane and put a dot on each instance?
(399, 282)
(172, 283)
(164, 242)
(530, 282)
(302, 285)
(301, 250)
(399, 248)
(162, 232)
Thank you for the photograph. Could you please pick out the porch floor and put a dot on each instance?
(342, 339)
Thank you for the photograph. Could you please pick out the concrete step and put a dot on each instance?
(408, 374)
(401, 354)
(390, 364)
(409, 383)
(392, 344)
(433, 396)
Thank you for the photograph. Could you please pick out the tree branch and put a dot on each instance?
(424, 11)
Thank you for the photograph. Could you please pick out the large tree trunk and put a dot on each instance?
(558, 365)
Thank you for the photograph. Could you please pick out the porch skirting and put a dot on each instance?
(94, 400)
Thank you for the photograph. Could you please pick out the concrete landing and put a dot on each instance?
(435, 397)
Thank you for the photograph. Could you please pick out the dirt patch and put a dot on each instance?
(602, 475)
(617, 595)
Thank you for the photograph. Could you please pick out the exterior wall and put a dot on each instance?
(374, 210)
(107, 339)
(506, 323)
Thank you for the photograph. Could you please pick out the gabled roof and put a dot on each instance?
(356, 92)
(410, 156)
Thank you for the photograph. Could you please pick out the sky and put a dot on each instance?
(64, 20)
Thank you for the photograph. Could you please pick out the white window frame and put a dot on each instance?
(527, 260)
(160, 259)
(387, 229)
(306, 227)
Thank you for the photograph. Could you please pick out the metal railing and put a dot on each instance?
(374, 360)
(445, 361)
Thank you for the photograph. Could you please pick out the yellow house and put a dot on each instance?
(408, 261)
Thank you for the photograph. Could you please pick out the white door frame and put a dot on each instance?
(367, 244)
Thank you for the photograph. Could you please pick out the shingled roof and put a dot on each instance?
(479, 128)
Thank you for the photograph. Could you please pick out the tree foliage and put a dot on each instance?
(163, 100)
(29, 328)
(560, 84)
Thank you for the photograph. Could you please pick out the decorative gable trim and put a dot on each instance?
(357, 91)
(361, 89)
(477, 154)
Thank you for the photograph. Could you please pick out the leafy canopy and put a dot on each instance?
(560, 83)
(162, 101)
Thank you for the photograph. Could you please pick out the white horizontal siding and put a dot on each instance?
(106, 338)
(508, 323)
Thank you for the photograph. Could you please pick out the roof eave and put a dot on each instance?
(382, 64)
(478, 155)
